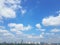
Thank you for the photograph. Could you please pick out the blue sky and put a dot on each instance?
(30, 20)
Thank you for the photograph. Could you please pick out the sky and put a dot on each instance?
(30, 20)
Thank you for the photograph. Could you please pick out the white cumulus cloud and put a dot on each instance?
(38, 26)
(19, 26)
(51, 21)
(7, 13)
(8, 8)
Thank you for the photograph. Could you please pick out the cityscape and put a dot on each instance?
(41, 43)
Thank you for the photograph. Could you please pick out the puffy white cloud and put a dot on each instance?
(55, 30)
(8, 8)
(16, 31)
(28, 27)
(12, 25)
(38, 26)
(7, 13)
(19, 26)
(51, 21)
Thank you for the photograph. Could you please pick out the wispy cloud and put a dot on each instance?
(55, 30)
